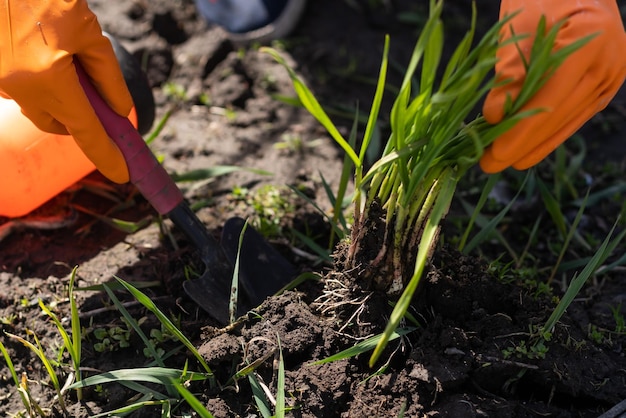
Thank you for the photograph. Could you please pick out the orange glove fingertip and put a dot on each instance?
(489, 164)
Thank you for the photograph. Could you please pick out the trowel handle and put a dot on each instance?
(145, 171)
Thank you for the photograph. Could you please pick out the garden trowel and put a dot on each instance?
(263, 271)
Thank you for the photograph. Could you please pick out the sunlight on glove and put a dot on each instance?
(583, 85)
(38, 40)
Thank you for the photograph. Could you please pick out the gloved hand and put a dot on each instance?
(38, 42)
(583, 85)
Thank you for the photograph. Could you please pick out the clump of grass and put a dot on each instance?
(53, 367)
(400, 201)
(31, 407)
(176, 382)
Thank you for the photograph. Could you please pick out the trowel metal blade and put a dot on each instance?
(212, 292)
(263, 270)
(211, 298)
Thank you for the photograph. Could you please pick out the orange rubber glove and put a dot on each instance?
(38, 42)
(583, 85)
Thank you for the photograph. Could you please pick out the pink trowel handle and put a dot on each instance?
(145, 171)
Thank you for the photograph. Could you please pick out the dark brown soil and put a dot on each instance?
(471, 354)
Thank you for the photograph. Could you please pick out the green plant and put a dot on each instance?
(338, 220)
(50, 366)
(262, 395)
(408, 191)
(167, 323)
(175, 382)
(192, 400)
(364, 346)
(618, 317)
(8, 320)
(175, 91)
(522, 350)
(295, 143)
(537, 345)
(30, 405)
(579, 279)
(271, 205)
(595, 334)
(171, 379)
(72, 344)
(110, 339)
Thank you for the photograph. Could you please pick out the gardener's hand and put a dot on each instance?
(583, 85)
(38, 42)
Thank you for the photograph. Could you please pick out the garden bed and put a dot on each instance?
(472, 353)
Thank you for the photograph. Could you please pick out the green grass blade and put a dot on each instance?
(460, 53)
(119, 224)
(363, 347)
(619, 262)
(619, 188)
(333, 224)
(115, 286)
(147, 302)
(493, 223)
(604, 251)
(68, 342)
(321, 252)
(135, 326)
(157, 130)
(280, 384)
(38, 350)
(553, 207)
(376, 102)
(312, 105)
(337, 201)
(192, 401)
(77, 336)
(16, 380)
(158, 375)
(149, 393)
(484, 195)
(482, 221)
(566, 241)
(125, 410)
(9, 362)
(260, 399)
(234, 293)
(432, 56)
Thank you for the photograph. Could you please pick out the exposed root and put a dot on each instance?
(356, 315)
(336, 294)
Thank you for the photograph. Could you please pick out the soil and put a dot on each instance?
(470, 355)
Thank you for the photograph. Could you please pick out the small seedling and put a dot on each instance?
(295, 143)
(175, 91)
(522, 350)
(8, 320)
(50, 366)
(21, 385)
(271, 205)
(618, 317)
(596, 335)
(111, 339)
